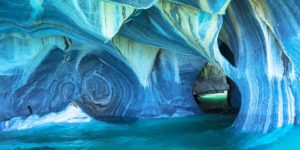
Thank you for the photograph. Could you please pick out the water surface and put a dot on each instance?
(198, 132)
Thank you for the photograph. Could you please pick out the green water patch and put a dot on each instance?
(211, 98)
(216, 103)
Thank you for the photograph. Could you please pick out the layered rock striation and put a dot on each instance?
(139, 59)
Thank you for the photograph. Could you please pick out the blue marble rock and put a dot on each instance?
(136, 3)
(140, 59)
(266, 59)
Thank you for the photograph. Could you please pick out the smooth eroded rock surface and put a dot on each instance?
(139, 59)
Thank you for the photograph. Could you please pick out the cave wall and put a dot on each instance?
(211, 79)
(50, 73)
(139, 59)
(266, 61)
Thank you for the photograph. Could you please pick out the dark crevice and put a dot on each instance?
(233, 94)
(227, 53)
(29, 109)
(285, 62)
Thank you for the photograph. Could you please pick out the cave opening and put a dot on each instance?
(215, 92)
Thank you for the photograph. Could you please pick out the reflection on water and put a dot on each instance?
(199, 132)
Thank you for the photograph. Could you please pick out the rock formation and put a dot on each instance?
(139, 59)
(210, 80)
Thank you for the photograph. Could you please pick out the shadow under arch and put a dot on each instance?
(214, 91)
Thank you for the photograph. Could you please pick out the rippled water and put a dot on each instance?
(199, 132)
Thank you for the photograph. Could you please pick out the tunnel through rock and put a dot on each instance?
(215, 92)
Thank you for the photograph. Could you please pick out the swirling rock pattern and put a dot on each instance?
(266, 69)
(95, 21)
(102, 83)
(139, 59)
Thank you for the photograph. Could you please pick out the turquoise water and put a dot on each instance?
(199, 132)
